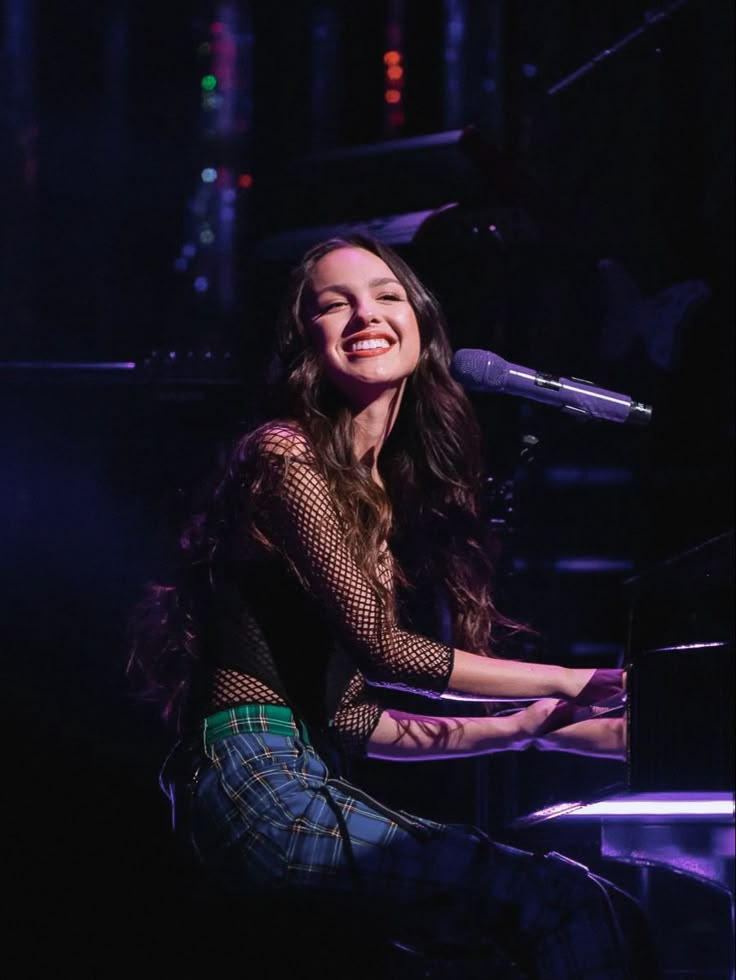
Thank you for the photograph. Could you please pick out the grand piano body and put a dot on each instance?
(666, 832)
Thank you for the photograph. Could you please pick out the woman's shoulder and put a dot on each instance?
(279, 437)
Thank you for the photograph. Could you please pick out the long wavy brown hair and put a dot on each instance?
(431, 466)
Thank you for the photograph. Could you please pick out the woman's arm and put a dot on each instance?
(402, 736)
(514, 680)
(313, 540)
(490, 678)
(367, 727)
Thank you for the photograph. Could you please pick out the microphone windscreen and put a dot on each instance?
(478, 369)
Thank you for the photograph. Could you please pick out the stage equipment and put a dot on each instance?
(674, 810)
(651, 18)
(483, 371)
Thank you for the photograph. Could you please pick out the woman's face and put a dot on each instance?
(361, 323)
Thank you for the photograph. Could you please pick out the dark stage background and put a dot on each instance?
(163, 166)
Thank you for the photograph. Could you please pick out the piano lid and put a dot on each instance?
(686, 601)
(707, 564)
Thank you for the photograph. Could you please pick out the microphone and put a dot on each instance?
(481, 370)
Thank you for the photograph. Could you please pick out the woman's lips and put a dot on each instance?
(371, 352)
(368, 343)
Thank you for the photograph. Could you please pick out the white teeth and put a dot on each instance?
(369, 344)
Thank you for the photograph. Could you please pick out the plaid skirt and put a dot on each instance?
(266, 815)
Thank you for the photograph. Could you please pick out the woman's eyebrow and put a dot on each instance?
(341, 288)
(383, 281)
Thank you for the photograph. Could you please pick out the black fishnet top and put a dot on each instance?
(293, 618)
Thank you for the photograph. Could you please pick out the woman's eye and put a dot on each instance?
(334, 305)
(391, 296)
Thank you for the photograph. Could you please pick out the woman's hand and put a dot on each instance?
(530, 721)
(599, 737)
(586, 685)
(604, 738)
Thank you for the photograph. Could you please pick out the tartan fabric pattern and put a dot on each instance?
(267, 815)
(274, 718)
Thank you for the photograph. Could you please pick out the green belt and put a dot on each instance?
(273, 718)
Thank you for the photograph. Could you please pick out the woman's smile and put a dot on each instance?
(368, 343)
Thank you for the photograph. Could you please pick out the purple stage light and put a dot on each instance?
(573, 475)
(659, 804)
(68, 365)
(690, 646)
(593, 564)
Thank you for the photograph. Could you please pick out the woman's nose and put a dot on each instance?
(365, 311)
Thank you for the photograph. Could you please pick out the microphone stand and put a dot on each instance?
(651, 17)
(499, 501)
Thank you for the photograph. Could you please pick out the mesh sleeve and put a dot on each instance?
(308, 527)
(356, 716)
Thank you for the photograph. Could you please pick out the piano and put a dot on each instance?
(666, 832)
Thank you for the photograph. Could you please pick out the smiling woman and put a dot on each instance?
(359, 310)
(367, 336)
(272, 652)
